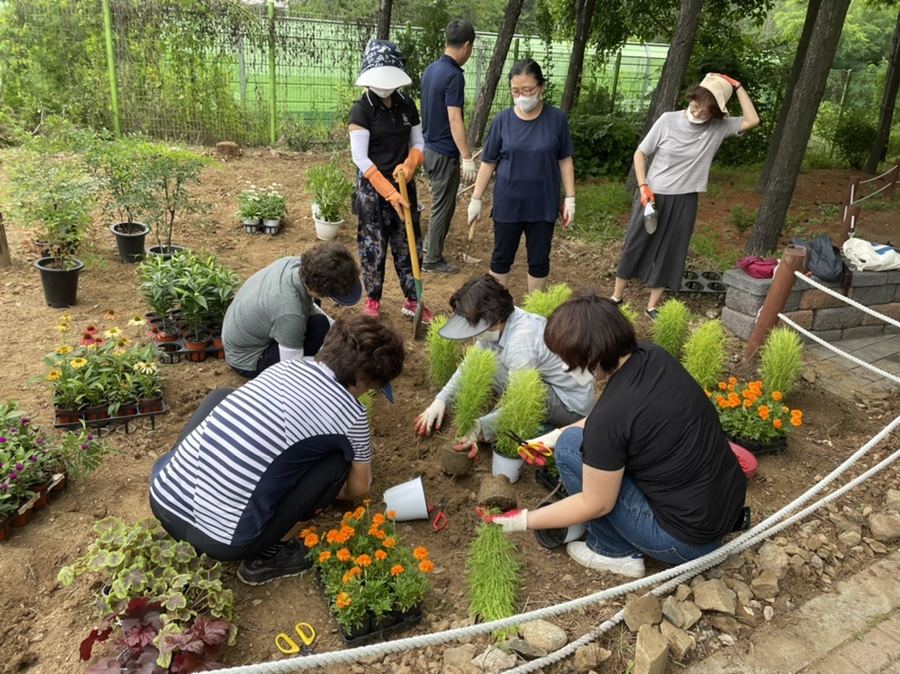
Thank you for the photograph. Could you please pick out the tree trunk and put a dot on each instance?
(583, 17)
(494, 71)
(383, 21)
(671, 80)
(812, 10)
(888, 101)
(799, 119)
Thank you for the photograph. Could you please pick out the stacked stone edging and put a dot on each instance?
(824, 316)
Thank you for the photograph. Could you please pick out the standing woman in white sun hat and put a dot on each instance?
(385, 138)
(683, 144)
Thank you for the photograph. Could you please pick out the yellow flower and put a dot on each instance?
(122, 342)
(113, 333)
(65, 318)
(136, 321)
(78, 363)
(63, 350)
(150, 369)
(63, 326)
(54, 374)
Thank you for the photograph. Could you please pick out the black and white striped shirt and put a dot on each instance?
(228, 475)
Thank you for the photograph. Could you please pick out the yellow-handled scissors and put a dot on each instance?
(307, 635)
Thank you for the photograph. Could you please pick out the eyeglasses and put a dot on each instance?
(524, 92)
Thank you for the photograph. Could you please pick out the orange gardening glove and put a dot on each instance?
(733, 82)
(647, 195)
(384, 187)
(413, 161)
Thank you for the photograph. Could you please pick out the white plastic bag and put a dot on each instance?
(868, 256)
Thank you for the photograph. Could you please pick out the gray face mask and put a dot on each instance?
(582, 376)
(382, 93)
(528, 103)
(489, 336)
(694, 120)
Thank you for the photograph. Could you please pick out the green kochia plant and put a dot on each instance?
(629, 313)
(704, 354)
(671, 326)
(544, 302)
(492, 574)
(443, 354)
(476, 379)
(329, 188)
(781, 358)
(523, 407)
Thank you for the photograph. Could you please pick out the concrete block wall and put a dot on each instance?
(826, 317)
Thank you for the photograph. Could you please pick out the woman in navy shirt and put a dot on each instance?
(530, 149)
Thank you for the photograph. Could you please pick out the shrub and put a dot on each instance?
(476, 379)
(781, 360)
(523, 407)
(443, 354)
(605, 143)
(704, 354)
(741, 219)
(671, 326)
(544, 302)
(629, 313)
(854, 136)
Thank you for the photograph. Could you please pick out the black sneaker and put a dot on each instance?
(291, 560)
(653, 314)
(441, 267)
(617, 302)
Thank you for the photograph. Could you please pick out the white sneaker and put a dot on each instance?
(632, 567)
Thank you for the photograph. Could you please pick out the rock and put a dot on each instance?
(877, 547)
(843, 523)
(228, 148)
(714, 595)
(850, 538)
(724, 623)
(768, 613)
(527, 650)
(494, 661)
(741, 589)
(692, 614)
(892, 500)
(885, 527)
(683, 592)
(773, 557)
(651, 653)
(544, 635)
(765, 585)
(459, 657)
(642, 611)
(726, 639)
(680, 642)
(733, 563)
(673, 611)
(588, 657)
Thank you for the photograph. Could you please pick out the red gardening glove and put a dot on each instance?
(647, 195)
(733, 82)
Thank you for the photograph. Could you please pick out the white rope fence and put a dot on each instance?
(878, 177)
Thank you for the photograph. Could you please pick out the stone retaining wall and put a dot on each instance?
(824, 316)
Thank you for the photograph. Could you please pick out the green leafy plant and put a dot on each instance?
(523, 407)
(671, 326)
(330, 189)
(749, 412)
(629, 313)
(741, 219)
(80, 453)
(854, 136)
(704, 354)
(493, 574)
(119, 166)
(272, 203)
(544, 302)
(781, 359)
(249, 204)
(172, 171)
(476, 379)
(364, 568)
(157, 284)
(443, 354)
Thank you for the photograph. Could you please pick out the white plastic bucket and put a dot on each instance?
(407, 500)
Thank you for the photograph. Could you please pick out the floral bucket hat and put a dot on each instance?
(383, 66)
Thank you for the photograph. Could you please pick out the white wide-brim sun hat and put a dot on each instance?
(384, 77)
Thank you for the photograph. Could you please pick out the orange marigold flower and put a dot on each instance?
(732, 380)
(380, 555)
(763, 412)
(722, 386)
(796, 413)
(332, 536)
(379, 534)
(777, 396)
(426, 565)
(311, 541)
(720, 400)
(374, 530)
(358, 513)
(420, 553)
(324, 556)
(378, 519)
(351, 574)
(307, 531)
(708, 394)
(364, 560)
(391, 514)
(396, 570)
(343, 600)
(796, 421)
(344, 555)
(777, 424)
(389, 542)
(748, 403)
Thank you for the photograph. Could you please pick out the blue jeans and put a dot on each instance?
(631, 527)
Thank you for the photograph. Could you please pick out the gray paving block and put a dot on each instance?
(744, 302)
(837, 319)
(862, 331)
(870, 295)
(740, 280)
(829, 336)
(870, 278)
(740, 325)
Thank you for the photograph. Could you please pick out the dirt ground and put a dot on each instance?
(42, 623)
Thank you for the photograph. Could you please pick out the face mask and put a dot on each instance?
(694, 120)
(528, 103)
(489, 336)
(582, 376)
(382, 93)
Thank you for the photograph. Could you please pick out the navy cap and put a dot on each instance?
(353, 297)
(388, 392)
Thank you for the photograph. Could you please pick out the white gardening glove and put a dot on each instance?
(469, 170)
(474, 210)
(510, 522)
(431, 418)
(470, 441)
(568, 211)
(548, 439)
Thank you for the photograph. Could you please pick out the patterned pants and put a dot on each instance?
(381, 227)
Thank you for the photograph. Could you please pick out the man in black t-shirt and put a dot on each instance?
(649, 470)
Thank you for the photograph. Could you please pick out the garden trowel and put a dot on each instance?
(413, 255)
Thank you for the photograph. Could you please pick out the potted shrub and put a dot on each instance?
(273, 206)
(157, 286)
(330, 190)
(127, 190)
(55, 193)
(172, 171)
(249, 210)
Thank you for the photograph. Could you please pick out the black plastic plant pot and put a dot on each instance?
(130, 240)
(553, 538)
(60, 280)
(166, 251)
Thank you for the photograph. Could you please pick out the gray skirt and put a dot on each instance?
(658, 259)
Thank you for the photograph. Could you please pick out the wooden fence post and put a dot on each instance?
(848, 226)
(849, 197)
(794, 259)
(5, 260)
(895, 174)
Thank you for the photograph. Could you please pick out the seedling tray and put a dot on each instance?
(702, 282)
(109, 423)
(372, 633)
(176, 351)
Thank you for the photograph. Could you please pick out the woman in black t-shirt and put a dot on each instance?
(649, 470)
(385, 138)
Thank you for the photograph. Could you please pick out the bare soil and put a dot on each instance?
(42, 623)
